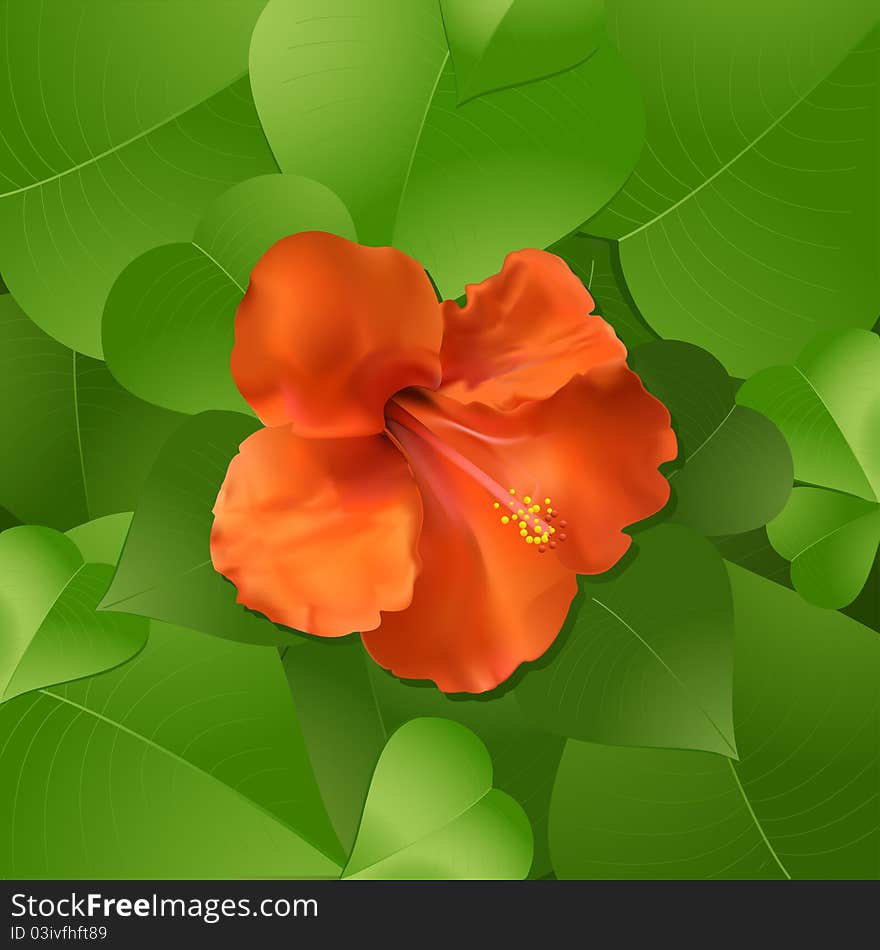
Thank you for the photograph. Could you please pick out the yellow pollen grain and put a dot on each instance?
(530, 540)
(546, 501)
(527, 500)
(523, 533)
(552, 530)
(538, 529)
(545, 538)
(512, 491)
(535, 509)
(496, 505)
(505, 519)
(521, 512)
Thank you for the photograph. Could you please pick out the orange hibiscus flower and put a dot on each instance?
(430, 475)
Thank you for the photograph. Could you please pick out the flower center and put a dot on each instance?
(536, 524)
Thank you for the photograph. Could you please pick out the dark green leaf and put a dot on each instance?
(802, 800)
(165, 571)
(79, 444)
(648, 657)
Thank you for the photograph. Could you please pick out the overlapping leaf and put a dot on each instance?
(51, 631)
(802, 800)
(360, 95)
(120, 123)
(168, 322)
(76, 444)
(432, 812)
(746, 226)
(828, 406)
(185, 762)
(733, 472)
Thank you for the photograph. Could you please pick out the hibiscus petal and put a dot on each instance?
(484, 602)
(318, 534)
(523, 334)
(328, 330)
(593, 449)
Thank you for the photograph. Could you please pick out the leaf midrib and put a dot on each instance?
(745, 150)
(94, 159)
(196, 768)
(683, 686)
(758, 824)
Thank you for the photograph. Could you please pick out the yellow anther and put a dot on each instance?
(535, 509)
(546, 501)
(514, 518)
(510, 503)
(523, 533)
(496, 505)
(538, 529)
(521, 512)
(527, 500)
(530, 540)
(512, 491)
(545, 538)
(505, 519)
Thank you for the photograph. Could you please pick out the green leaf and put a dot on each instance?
(341, 723)
(524, 755)
(432, 812)
(747, 224)
(51, 631)
(831, 540)
(753, 551)
(121, 121)
(79, 445)
(802, 800)
(165, 571)
(828, 407)
(500, 43)
(101, 540)
(647, 659)
(734, 469)
(186, 762)
(596, 262)
(168, 322)
(360, 94)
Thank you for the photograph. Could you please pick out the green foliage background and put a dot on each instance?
(711, 708)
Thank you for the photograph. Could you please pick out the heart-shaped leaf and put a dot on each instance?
(187, 762)
(101, 541)
(360, 95)
(747, 226)
(77, 445)
(734, 471)
(51, 631)
(121, 121)
(168, 322)
(801, 802)
(828, 407)
(432, 813)
(165, 571)
(500, 43)
(647, 659)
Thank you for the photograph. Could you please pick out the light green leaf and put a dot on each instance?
(165, 571)
(647, 659)
(500, 43)
(525, 756)
(100, 541)
(801, 802)
(828, 407)
(78, 445)
(432, 812)
(168, 322)
(831, 540)
(596, 262)
(747, 225)
(186, 762)
(360, 94)
(51, 632)
(121, 121)
(734, 469)
(341, 723)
